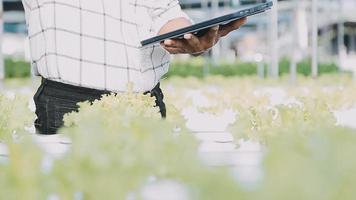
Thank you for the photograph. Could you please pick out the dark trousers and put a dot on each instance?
(54, 99)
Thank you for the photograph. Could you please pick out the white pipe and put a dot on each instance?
(340, 32)
(314, 38)
(295, 29)
(274, 65)
(352, 42)
(2, 67)
(215, 52)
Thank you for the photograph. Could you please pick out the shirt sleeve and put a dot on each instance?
(163, 11)
(27, 8)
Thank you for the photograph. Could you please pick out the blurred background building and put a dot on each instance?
(286, 31)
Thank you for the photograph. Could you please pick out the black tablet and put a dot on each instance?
(201, 28)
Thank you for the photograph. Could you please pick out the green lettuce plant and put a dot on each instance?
(15, 116)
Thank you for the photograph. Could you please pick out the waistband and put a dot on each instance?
(84, 90)
(72, 88)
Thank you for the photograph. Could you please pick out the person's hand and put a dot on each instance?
(194, 45)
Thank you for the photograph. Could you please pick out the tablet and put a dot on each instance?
(201, 28)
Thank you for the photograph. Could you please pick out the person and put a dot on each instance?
(83, 49)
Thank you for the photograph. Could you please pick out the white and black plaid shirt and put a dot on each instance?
(96, 43)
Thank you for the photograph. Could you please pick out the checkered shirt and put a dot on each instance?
(96, 43)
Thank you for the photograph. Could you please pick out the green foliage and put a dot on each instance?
(194, 67)
(260, 122)
(22, 176)
(304, 67)
(17, 68)
(120, 144)
(120, 141)
(314, 164)
(15, 116)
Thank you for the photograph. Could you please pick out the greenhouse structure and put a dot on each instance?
(257, 109)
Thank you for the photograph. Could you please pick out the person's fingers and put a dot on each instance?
(213, 31)
(226, 29)
(234, 25)
(168, 42)
(188, 36)
(193, 42)
(173, 50)
(174, 43)
(209, 39)
(238, 23)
